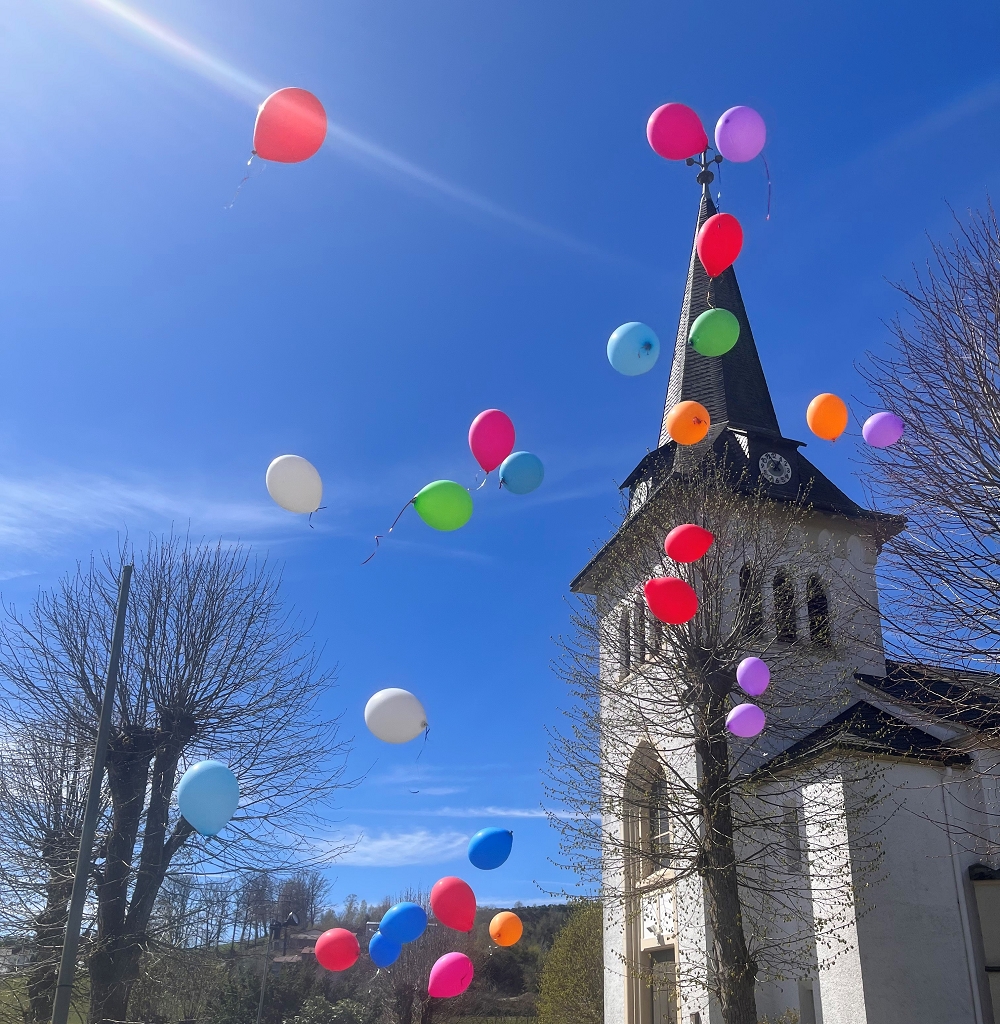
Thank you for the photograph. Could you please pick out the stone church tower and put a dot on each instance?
(925, 947)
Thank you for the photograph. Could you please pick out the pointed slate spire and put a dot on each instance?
(731, 387)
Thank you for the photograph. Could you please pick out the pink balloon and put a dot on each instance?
(450, 976)
(745, 720)
(675, 132)
(753, 675)
(740, 134)
(883, 429)
(491, 438)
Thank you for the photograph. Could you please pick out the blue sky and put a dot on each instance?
(485, 213)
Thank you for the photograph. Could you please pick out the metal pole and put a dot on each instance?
(263, 976)
(67, 964)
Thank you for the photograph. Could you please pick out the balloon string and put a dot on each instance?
(767, 170)
(379, 536)
(243, 181)
(311, 514)
(483, 484)
(424, 744)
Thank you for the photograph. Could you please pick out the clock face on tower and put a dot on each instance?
(774, 468)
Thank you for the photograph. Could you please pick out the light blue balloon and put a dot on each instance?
(383, 951)
(208, 795)
(521, 472)
(633, 349)
(490, 847)
(404, 922)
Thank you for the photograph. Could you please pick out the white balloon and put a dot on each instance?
(294, 483)
(395, 716)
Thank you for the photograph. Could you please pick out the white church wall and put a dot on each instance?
(915, 944)
(840, 981)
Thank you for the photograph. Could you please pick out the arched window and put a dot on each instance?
(655, 643)
(646, 835)
(639, 632)
(786, 628)
(624, 645)
(647, 816)
(751, 601)
(658, 825)
(819, 612)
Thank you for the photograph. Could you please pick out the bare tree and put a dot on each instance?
(661, 810)
(213, 666)
(941, 374)
(43, 784)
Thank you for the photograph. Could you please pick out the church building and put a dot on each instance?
(924, 948)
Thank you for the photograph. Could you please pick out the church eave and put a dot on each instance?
(862, 730)
(960, 698)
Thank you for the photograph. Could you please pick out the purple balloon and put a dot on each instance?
(745, 720)
(740, 134)
(753, 675)
(883, 429)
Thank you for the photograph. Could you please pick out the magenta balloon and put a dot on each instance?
(753, 675)
(745, 720)
(883, 429)
(675, 132)
(491, 438)
(740, 134)
(450, 976)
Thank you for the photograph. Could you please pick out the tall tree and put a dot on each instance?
(43, 787)
(941, 374)
(654, 798)
(213, 666)
(573, 975)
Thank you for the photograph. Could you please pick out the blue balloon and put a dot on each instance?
(404, 922)
(521, 472)
(208, 795)
(490, 847)
(633, 349)
(383, 951)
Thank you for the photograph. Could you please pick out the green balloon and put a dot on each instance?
(715, 332)
(444, 505)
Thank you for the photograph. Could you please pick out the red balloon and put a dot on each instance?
(676, 132)
(491, 438)
(290, 126)
(671, 600)
(719, 242)
(337, 949)
(454, 903)
(688, 543)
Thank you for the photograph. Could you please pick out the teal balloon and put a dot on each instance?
(208, 795)
(633, 349)
(714, 332)
(521, 472)
(444, 505)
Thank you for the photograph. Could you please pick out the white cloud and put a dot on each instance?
(393, 850)
(35, 513)
(471, 812)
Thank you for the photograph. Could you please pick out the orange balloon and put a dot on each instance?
(688, 422)
(827, 416)
(506, 928)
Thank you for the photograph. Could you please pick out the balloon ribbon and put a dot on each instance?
(767, 171)
(379, 536)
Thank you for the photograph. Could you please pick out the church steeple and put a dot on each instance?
(732, 387)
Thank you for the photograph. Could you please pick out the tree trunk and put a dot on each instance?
(735, 971)
(114, 964)
(50, 930)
